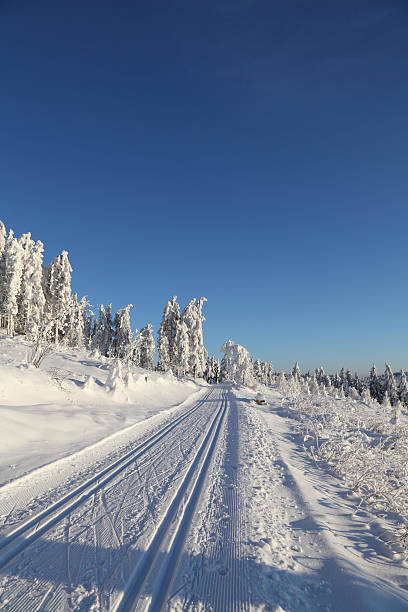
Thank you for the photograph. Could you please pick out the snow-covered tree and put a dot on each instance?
(403, 389)
(146, 347)
(77, 326)
(375, 386)
(103, 331)
(31, 299)
(390, 386)
(11, 271)
(122, 338)
(237, 364)
(296, 372)
(163, 363)
(57, 290)
(3, 235)
(183, 349)
(192, 317)
(168, 329)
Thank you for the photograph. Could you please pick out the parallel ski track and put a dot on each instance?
(173, 528)
(21, 537)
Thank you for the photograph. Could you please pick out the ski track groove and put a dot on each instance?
(83, 521)
(79, 495)
(224, 582)
(168, 536)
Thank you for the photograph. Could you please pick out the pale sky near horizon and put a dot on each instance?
(253, 152)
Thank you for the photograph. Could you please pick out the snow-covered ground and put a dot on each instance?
(178, 496)
(65, 405)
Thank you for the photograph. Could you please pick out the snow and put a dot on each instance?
(223, 499)
(49, 412)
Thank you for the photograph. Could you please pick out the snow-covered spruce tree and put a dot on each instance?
(167, 349)
(227, 362)
(31, 300)
(3, 235)
(122, 335)
(208, 372)
(192, 317)
(77, 327)
(403, 389)
(103, 331)
(375, 386)
(11, 271)
(390, 386)
(2, 270)
(163, 350)
(212, 370)
(237, 364)
(216, 370)
(147, 347)
(183, 349)
(296, 372)
(270, 378)
(57, 291)
(257, 369)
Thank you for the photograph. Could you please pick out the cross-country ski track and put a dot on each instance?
(214, 506)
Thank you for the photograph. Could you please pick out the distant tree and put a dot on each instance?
(31, 300)
(169, 327)
(122, 338)
(374, 384)
(403, 389)
(237, 364)
(147, 347)
(390, 386)
(11, 271)
(193, 318)
(296, 372)
(57, 291)
(183, 350)
(103, 331)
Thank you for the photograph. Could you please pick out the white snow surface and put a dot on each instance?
(64, 405)
(175, 495)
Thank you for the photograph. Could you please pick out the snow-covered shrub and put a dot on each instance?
(363, 442)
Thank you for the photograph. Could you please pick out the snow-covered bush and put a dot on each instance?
(363, 442)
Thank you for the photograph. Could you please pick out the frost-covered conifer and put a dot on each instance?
(314, 385)
(375, 386)
(77, 326)
(217, 370)
(122, 338)
(403, 389)
(238, 366)
(103, 331)
(168, 329)
(209, 369)
(11, 274)
(193, 318)
(147, 347)
(163, 350)
(3, 235)
(296, 372)
(227, 363)
(390, 386)
(57, 291)
(183, 349)
(257, 367)
(386, 404)
(31, 300)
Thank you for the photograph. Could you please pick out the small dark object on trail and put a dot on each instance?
(259, 400)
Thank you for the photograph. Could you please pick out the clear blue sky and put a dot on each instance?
(253, 152)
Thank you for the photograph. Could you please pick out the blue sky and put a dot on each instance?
(253, 152)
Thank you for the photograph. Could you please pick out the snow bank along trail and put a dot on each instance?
(80, 552)
(306, 548)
